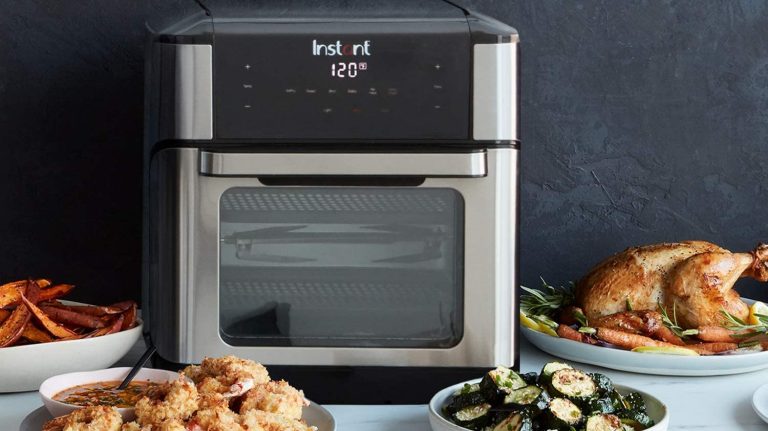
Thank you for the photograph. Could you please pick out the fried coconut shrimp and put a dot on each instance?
(258, 420)
(131, 426)
(173, 401)
(275, 397)
(169, 425)
(229, 375)
(94, 418)
(215, 419)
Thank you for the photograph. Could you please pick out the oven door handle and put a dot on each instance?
(468, 164)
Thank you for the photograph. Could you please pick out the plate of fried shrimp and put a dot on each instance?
(225, 393)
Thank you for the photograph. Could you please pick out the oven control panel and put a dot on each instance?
(351, 80)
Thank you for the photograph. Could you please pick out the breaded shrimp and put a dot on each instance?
(215, 419)
(275, 397)
(175, 400)
(131, 426)
(93, 418)
(233, 376)
(257, 420)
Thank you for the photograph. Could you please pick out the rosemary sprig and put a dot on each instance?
(547, 300)
(580, 317)
(733, 323)
(671, 323)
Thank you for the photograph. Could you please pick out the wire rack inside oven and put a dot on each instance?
(421, 201)
(323, 294)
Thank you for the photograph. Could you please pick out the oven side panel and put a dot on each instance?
(173, 209)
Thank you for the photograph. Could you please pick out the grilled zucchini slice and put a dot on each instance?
(515, 422)
(603, 383)
(634, 401)
(601, 406)
(473, 417)
(604, 423)
(562, 414)
(549, 368)
(465, 400)
(467, 388)
(532, 398)
(635, 419)
(530, 378)
(575, 385)
(499, 383)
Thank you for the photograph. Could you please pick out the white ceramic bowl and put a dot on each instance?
(655, 408)
(23, 368)
(56, 384)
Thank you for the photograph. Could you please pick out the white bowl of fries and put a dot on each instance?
(42, 336)
(24, 368)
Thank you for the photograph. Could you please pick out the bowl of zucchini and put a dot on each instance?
(558, 398)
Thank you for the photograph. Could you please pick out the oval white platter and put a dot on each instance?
(760, 402)
(315, 415)
(655, 408)
(648, 363)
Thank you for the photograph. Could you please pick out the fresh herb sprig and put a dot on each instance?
(733, 323)
(672, 324)
(547, 300)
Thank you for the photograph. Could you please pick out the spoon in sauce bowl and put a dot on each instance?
(139, 365)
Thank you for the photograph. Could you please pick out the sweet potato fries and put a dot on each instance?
(30, 312)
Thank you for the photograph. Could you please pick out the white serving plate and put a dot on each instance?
(56, 384)
(655, 408)
(314, 414)
(648, 363)
(23, 368)
(760, 402)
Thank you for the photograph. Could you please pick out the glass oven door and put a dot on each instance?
(341, 266)
(363, 259)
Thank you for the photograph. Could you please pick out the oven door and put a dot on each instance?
(334, 259)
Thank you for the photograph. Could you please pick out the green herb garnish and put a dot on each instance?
(547, 300)
(671, 323)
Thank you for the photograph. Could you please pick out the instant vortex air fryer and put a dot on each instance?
(333, 192)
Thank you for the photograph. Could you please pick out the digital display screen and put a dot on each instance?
(361, 81)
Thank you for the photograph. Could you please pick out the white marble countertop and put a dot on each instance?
(721, 403)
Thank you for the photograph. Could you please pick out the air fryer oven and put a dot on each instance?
(334, 193)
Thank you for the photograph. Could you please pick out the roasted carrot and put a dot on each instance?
(666, 334)
(629, 341)
(718, 334)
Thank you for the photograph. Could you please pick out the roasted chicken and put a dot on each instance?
(693, 278)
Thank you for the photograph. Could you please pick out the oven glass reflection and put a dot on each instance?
(341, 267)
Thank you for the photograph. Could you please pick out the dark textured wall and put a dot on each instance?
(643, 121)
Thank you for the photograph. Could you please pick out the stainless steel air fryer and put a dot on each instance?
(334, 193)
